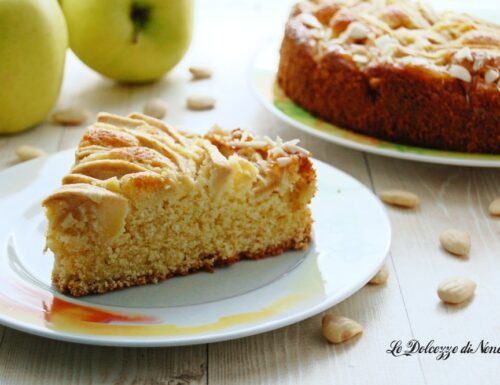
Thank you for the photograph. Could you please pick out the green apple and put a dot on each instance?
(33, 43)
(131, 41)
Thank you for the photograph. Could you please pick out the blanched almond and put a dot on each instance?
(200, 72)
(27, 152)
(400, 198)
(455, 241)
(156, 108)
(380, 277)
(200, 103)
(337, 329)
(72, 116)
(456, 290)
(494, 207)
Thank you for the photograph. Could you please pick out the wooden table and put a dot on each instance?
(227, 35)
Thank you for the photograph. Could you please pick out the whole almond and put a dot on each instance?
(456, 242)
(200, 72)
(156, 108)
(72, 116)
(27, 152)
(200, 103)
(400, 198)
(494, 207)
(337, 329)
(456, 290)
(380, 277)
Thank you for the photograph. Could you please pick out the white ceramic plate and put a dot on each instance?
(263, 80)
(351, 239)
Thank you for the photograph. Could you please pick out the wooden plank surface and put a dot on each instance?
(26, 359)
(227, 36)
(452, 197)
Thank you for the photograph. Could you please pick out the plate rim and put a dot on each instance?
(454, 160)
(248, 330)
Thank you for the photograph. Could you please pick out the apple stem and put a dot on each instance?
(140, 14)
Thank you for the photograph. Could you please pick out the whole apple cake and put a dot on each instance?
(396, 70)
(144, 202)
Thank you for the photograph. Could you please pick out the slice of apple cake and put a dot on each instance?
(144, 202)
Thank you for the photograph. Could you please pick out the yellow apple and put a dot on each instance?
(33, 42)
(131, 41)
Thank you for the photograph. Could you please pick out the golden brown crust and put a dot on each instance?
(146, 149)
(436, 94)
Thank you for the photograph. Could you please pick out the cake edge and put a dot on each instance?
(79, 289)
(473, 132)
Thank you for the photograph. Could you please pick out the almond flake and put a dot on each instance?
(310, 20)
(478, 64)
(292, 142)
(464, 54)
(491, 75)
(293, 148)
(362, 59)
(249, 144)
(460, 72)
(284, 161)
(277, 151)
(357, 31)
(269, 140)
